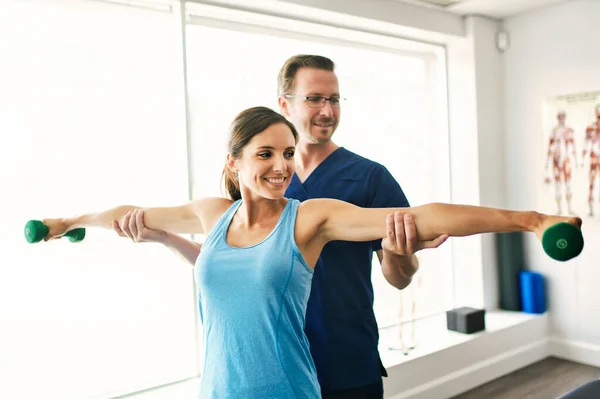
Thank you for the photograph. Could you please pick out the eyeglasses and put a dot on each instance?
(318, 101)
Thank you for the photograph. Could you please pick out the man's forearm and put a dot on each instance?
(188, 250)
(398, 270)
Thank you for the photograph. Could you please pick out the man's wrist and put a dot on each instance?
(394, 255)
(166, 239)
(404, 264)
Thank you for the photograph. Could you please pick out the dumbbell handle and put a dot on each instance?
(35, 231)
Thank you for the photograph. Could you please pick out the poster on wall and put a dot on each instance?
(571, 131)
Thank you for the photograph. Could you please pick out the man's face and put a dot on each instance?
(315, 125)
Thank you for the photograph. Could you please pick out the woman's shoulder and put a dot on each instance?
(317, 209)
(319, 203)
(212, 204)
(211, 209)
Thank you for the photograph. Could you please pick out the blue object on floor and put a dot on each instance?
(589, 390)
(533, 293)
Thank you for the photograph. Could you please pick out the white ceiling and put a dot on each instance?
(492, 8)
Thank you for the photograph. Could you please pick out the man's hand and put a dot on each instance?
(132, 226)
(397, 257)
(402, 238)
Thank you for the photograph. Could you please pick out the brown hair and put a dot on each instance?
(287, 73)
(244, 127)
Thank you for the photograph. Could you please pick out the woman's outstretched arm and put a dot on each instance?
(184, 219)
(340, 220)
(132, 226)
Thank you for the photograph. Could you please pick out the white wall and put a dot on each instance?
(388, 17)
(464, 171)
(489, 105)
(404, 14)
(554, 51)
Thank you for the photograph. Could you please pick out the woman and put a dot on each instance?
(255, 268)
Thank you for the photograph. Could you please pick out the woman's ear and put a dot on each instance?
(232, 163)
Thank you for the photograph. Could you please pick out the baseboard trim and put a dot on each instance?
(479, 373)
(576, 351)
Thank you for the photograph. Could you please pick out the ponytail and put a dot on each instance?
(231, 183)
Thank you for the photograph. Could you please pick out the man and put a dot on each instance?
(340, 321)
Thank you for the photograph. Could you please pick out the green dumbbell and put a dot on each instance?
(563, 241)
(35, 231)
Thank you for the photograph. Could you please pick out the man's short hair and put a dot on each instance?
(287, 73)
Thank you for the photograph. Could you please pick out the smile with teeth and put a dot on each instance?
(275, 180)
(324, 124)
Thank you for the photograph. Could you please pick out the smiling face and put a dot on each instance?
(266, 164)
(314, 125)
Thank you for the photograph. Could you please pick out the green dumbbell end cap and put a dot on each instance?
(35, 231)
(563, 241)
(76, 235)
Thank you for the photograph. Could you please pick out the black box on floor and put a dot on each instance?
(466, 320)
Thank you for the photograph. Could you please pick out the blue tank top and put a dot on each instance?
(253, 306)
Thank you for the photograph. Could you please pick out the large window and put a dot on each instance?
(396, 95)
(92, 116)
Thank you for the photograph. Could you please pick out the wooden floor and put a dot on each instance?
(547, 379)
